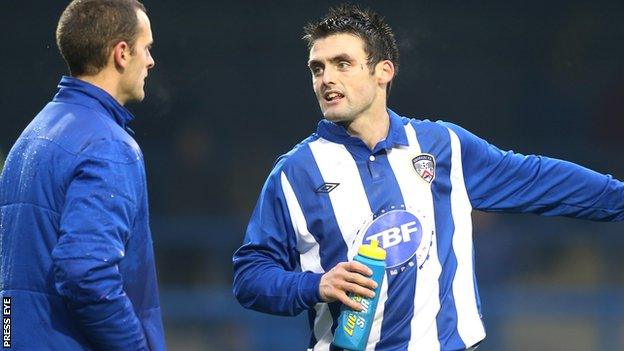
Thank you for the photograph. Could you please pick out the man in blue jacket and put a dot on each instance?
(77, 263)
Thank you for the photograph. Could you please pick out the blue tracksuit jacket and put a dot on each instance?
(75, 245)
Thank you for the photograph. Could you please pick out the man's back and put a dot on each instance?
(75, 173)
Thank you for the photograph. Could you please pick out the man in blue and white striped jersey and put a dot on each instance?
(368, 173)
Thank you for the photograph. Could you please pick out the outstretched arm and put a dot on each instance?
(504, 181)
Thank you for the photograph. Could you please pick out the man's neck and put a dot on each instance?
(104, 81)
(371, 127)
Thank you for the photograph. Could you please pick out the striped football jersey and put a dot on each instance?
(414, 193)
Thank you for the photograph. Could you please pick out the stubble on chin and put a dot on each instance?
(137, 97)
(336, 118)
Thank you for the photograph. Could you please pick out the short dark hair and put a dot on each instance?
(89, 29)
(379, 42)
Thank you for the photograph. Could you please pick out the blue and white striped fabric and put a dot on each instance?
(320, 199)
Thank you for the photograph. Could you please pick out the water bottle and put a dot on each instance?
(354, 326)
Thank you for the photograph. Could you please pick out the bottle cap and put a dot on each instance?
(373, 251)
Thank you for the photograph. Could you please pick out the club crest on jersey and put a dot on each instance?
(424, 165)
(401, 234)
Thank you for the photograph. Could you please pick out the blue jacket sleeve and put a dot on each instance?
(97, 218)
(504, 181)
(265, 266)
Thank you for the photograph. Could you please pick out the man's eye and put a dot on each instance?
(316, 70)
(343, 65)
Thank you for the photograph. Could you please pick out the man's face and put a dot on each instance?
(342, 80)
(133, 79)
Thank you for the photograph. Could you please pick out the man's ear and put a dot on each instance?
(384, 71)
(121, 54)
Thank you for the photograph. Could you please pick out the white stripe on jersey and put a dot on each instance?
(350, 206)
(418, 199)
(349, 200)
(307, 246)
(469, 325)
(322, 327)
(310, 260)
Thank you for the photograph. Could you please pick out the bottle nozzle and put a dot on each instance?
(373, 250)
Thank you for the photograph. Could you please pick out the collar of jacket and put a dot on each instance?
(338, 134)
(76, 91)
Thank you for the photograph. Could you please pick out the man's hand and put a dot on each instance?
(344, 278)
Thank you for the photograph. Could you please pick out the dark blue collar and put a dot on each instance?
(76, 91)
(338, 134)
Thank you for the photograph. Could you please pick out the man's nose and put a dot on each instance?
(150, 62)
(329, 76)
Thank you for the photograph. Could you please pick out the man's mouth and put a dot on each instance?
(332, 95)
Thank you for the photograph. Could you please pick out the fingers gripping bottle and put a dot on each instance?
(354, 326)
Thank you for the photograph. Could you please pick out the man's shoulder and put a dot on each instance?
(431, 127)
(297, 156)
(79, 129)
(425, 123)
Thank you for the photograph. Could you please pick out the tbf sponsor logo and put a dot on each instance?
(400, 233)
(396, 235)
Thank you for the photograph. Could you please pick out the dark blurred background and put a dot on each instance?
(231, 92)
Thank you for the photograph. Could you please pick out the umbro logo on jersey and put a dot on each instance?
(326, 188)
(424, 165)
